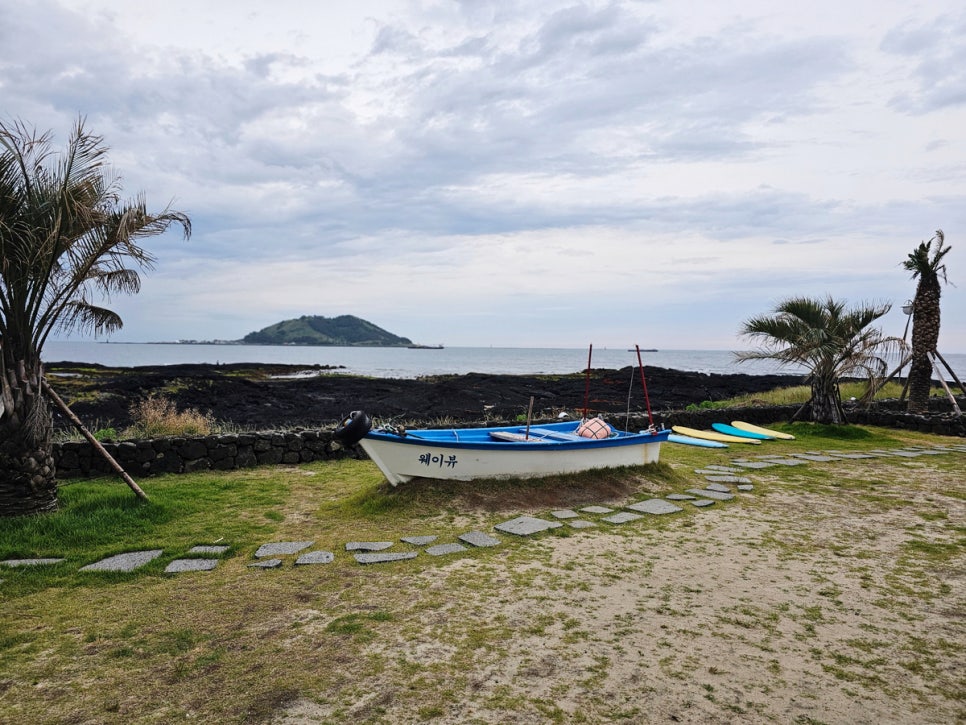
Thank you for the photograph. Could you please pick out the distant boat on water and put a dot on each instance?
(425, 347)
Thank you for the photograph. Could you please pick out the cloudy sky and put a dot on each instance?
(494, 172)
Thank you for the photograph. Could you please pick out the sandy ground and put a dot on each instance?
(790, 605)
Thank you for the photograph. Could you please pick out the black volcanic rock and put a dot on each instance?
(262, 396)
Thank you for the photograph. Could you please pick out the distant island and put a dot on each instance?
(342, 331)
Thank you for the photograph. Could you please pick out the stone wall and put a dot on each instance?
(215, 452)
(245, 450)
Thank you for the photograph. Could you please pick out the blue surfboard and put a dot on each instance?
(689, 441)
(732, 431)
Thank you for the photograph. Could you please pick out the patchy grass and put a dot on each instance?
(515, 631)
(798, 394)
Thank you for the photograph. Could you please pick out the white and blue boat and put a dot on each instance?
(465, 454)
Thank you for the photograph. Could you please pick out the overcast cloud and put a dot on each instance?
(515, 174)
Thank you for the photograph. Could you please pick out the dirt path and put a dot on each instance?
(802, 604)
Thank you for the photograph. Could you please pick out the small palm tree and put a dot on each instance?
(66, 240)
(926, 263)
(828, 339)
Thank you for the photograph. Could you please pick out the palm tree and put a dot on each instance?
(66, 241)
(831, 341)
(925, 262)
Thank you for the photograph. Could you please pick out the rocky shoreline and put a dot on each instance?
(267, 396)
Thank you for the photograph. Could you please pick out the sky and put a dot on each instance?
(498, 173)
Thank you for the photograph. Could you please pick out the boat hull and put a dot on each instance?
(473, 453)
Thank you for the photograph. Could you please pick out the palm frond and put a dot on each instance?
(65, 236)
(926, 260)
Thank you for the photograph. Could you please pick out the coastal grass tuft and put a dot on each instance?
(798, 394)
(157, 417)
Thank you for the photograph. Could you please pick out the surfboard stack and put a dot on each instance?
(723, 434)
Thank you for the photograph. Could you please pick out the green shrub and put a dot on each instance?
(105, 434)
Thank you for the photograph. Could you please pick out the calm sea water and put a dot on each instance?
(405, 363)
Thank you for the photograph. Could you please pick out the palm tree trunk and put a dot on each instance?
(27, 471)
(925, 338)
(920, 384)
(826, 403)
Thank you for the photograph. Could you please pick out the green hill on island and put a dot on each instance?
(342, 331)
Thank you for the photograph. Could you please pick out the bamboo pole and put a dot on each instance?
(92, 440)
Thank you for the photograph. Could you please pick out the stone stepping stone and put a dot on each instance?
(656, 506)
(179, 566)
(814, 457)
(526, 526)
(719, 487)
(282, 547)
(787, 462)
(478, 538)
(724, 469)
(208, 549)
(419, 540)
(745, 487)
(441, 549)
(716, 495)
(702, 503)
(727, 479)
(754, 464)
(564, 514)
(622, 518)
(368, 545)
(124, 562)
(266, 564)
(901, 454)
(384, 557)
(679, 497)
(13, 563)
(925, 452)
(581, 524)
(597, 510)
(851, 456)
(315, 557)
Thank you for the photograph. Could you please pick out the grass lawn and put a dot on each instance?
(834, 592)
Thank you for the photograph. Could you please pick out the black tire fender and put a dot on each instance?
(353, 428)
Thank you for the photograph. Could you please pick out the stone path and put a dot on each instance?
(720, 485)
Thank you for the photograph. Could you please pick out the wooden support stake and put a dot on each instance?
(950, 371)
(949, 393)
(92, 440)
(882, 383)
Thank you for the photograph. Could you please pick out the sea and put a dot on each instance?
(401, 362)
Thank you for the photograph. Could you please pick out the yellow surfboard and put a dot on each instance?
(764, 431)
(710, 435)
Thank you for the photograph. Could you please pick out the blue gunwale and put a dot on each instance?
(479, 438)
